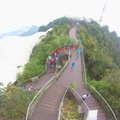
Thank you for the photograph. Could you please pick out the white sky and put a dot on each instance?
(16, 13)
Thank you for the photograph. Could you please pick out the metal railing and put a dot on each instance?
(43, 89)
(83, 103)
(36, 77)
(110, 115)
(62, 101)
(61, 104)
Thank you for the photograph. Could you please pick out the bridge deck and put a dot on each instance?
(48, 105)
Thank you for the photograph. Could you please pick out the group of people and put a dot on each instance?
(53, 58)
(57, 53)
(73, 63)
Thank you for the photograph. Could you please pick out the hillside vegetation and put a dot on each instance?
(102, 58)
(59, 21)
(15, 100)
(56, 38)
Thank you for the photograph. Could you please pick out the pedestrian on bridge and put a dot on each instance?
(72, 65)
(78, 52)
(84, 97)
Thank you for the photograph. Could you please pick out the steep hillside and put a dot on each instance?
(24, 31)
(102, 58)
(56, 38)
(13, 99)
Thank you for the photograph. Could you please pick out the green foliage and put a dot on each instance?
(56, 38)
(13, 104)
(70, 109)
(101, 52)
(1, 89)
(110, 91)
(14, 100)
(72, 85)
(59, 21)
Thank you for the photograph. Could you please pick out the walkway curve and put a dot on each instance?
(81, 90)
(48, 106)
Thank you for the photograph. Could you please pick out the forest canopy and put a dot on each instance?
(102, 60)
(14, 100)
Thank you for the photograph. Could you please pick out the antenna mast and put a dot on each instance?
(103, 10)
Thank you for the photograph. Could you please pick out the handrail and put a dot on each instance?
(81, 99)
(36, 77)
(61, 104)
(46, 84)
(82, 55)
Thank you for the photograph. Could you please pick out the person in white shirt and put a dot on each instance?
(84, 97)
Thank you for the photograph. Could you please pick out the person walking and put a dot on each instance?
(78, 52)
(72, 65)
(84, 97)
(30, 87)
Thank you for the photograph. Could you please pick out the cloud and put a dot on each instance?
(27, 12)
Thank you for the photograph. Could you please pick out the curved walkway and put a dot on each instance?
(48, 106)
(81, 90)
(37, 84)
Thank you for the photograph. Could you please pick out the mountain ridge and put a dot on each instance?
(23, 31)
